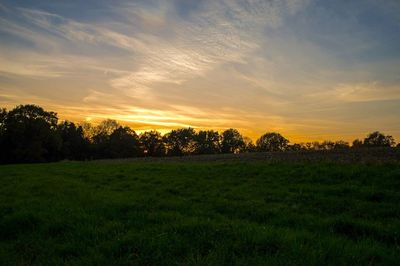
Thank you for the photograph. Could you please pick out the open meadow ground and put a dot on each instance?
(200, 213)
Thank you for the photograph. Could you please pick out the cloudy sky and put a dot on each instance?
(310, 69)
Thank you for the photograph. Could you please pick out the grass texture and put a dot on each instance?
(199, 213)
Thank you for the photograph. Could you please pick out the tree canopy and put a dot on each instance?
(152, 143)
(377, 139)
(28, 133)
(272, 142)
(207, 142)
(232, 141)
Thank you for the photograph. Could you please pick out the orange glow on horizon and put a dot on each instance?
(257, 66)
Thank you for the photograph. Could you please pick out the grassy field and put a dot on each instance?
(199, 213)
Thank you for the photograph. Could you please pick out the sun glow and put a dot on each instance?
(256, 66)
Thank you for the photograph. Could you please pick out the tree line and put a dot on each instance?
(28, 134)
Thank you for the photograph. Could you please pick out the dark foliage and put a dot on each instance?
(207, 142)
(74, 144)
(101, 139)
(124, 143)
(28, 134)
(377, 139)
(272, 142)
(232, 141)
(3, 152)
(180, 142)
(152, 143)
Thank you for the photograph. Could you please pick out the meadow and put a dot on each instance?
(200, 213)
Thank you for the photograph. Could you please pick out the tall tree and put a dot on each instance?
(180, 141)
(74, 144)
(3, 115)
(106, 127)
(152, 143)
(377, 139)
(3, 151)
(89, 131)
(101, 138)
(272, 142)
(232, 141)
(124, 143)
(31, 135)
(357, 143)
(207, 142)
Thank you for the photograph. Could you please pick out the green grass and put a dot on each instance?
(199, 213)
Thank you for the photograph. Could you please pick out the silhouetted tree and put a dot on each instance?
(152, 143)
(316, 145)
(232, 141)
(101, 138)
(3, 115)
(124, 143)
(272, 142)
(3, 151)
(106, 127)
(377, 139)
(294, 147)
(180, 141)
(341, 145)
(357, 143)
(89, 131)
(326, 145)
(31, 135)
(74, 145)
(249, 145)
(207, 142)
(305, 146)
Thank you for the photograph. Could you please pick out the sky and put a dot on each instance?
(309, 69)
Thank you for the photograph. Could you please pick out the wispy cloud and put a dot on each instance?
(364, 92)
(252, 64)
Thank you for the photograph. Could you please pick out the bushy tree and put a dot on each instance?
(89, 131)
(152, 143)
(74, 145)
(328, 145)
(232, 141)
(295, 147)
(31, 135)
(357, 143)
(3, 151)
(377, 139)
(180, 141)
(305, 146)
(124, 143)
(341, 145)
(106, 127)
(100, 141)
(207, 142)
(272, 142)
(3, 115)
(28, 133)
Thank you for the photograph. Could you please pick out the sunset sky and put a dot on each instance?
(309, 69)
